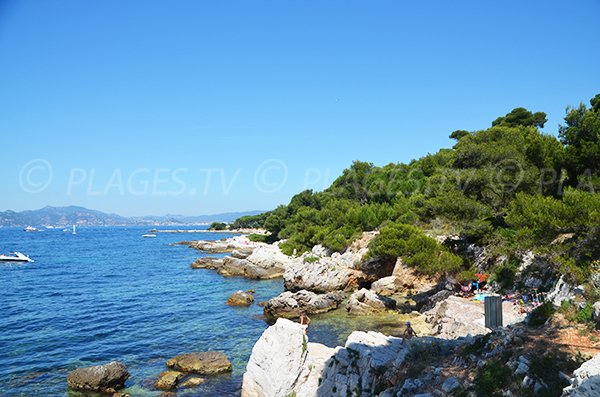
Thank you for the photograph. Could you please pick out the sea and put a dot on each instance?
(107, 293)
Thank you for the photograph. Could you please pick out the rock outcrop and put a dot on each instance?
(456, 317)
(586, 380)
(561, 292)
(365, 301)
(203, 363)
(208, 262)
(260, 263)
(283, 363)
(241, 298)
(291, 304)
(106, 378)
(224, 245)
(403, 279)
(320, 271)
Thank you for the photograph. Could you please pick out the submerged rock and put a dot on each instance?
(103, 378)
(203, 363)
(192, 382)
(367, 302)
(241, 298)
(168, 380)
(290, 305)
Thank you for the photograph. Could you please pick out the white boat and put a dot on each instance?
(149, 235)
(30, 229)
(16, 257)
(74, 231)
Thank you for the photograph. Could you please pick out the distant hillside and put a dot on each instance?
(227, 217)
(73, 215)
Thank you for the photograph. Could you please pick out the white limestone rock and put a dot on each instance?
(586, 381)
(366, 301)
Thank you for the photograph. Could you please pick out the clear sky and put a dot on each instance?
(198, 107)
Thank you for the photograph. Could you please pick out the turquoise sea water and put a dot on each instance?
(109, 294)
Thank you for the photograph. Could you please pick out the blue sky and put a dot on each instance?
(198, 107)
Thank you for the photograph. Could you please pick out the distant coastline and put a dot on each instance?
(60, 217)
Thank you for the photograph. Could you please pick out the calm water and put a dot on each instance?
(109, 294)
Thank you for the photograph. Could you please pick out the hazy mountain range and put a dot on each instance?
(73, 215)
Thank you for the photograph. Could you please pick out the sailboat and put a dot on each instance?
(74, 231)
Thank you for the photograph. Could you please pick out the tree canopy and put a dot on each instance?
(501, 187)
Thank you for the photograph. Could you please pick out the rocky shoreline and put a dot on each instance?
(285, 363)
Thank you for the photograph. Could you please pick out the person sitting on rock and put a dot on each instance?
(409, 332)
(304, 320)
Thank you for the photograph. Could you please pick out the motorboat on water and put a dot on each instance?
(149, 235)
(30, 229)
(16, 257)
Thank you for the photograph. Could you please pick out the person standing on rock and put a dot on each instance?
(409, 332)
(304, 321)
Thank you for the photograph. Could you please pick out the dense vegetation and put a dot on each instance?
(217, 226)
(509, 188)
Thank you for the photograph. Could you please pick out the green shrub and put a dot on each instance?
(547, 366)
(505, 274)
(585, 315)
(417, 249)
(217, 226)
(311, 259)
(492, 379)
(259, 238)
(541, 314)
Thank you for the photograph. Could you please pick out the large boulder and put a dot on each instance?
(596, 314)
(283, 363)
(561, 292)
(387, 286)
(405, 280)
(241, 298)
(102, 378)
(291, 304)
(586, 380)
(367, 302)
(203, 363)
